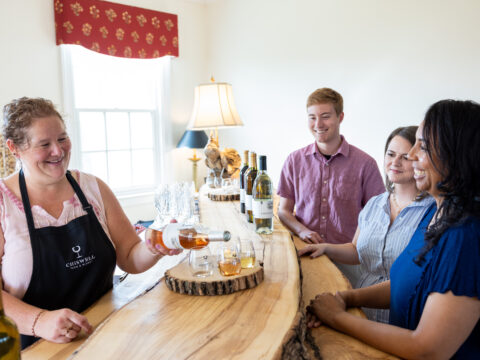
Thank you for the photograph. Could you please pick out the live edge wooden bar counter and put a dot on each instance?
(142, 319)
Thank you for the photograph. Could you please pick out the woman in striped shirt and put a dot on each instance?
(386, 223)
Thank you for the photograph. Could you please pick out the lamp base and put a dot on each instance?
(194, 161)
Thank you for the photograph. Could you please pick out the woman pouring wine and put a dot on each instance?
(61, 232)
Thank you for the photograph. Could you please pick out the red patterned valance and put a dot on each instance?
(115, 29)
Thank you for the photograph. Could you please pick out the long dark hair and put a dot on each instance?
(406, 132)
(451, 132)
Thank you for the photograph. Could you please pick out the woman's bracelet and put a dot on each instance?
(35, 322)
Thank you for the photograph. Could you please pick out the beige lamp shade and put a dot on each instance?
(214, 107)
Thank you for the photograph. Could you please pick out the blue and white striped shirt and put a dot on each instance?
(380, 243)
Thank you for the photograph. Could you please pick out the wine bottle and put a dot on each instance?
(250, 176)
(178, 236)
(242, 182)
(9, 336)
(262, 200)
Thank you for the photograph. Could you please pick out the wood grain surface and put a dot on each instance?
(321, 275)
(122, 293)
(258, 323)
(142, 319)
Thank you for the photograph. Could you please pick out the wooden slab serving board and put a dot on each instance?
(224, 197)
(180, 280)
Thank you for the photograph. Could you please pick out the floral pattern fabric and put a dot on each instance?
(116, 29)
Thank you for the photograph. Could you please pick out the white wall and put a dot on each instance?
(389, 59)
(30, 65)
(29, 59)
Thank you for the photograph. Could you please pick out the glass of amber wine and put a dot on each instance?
(247, 253)
(229, 263)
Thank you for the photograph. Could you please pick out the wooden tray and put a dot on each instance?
(223, 197)
(179, 279)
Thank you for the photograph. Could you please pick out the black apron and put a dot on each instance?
(73, 264)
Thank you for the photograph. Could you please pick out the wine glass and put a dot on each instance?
(217, 182)
(228, 257)
(184, 198)
(162, 203)
(227, 182)
(227, 186)
(210, 180)
(201, 262)
(236, 183)
(247, 253)
(176, 201)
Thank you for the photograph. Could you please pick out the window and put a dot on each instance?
(117, 146)
(115, 110)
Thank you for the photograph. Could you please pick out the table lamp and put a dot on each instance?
(194, 140)
(214, 107)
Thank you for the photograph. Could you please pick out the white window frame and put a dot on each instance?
(161, 127)
(156, 144)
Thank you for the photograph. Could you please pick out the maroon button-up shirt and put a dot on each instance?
(329, 194)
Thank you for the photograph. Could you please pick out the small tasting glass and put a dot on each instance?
(227, 186)
(201, 262)
(227, 182)
(229, 259)
(247, 253)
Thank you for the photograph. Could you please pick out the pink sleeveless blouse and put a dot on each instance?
(15, 247)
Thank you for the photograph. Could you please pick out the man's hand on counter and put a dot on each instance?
(310, 237)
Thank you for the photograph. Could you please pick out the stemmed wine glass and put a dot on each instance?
(163, 203)
(175, 201)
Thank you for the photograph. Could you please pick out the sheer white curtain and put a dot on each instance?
(96, 82)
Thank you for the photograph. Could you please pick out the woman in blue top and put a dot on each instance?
(386, 223)
(434, 290)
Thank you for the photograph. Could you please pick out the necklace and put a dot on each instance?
(395, 203)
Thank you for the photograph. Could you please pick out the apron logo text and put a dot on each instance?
(87, 260)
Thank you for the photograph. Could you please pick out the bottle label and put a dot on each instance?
(242, 195)
(262, 209)
(248, 202)
(170, 236)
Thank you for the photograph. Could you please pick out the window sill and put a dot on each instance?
(139, 206)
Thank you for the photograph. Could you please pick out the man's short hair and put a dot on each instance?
(326, 96)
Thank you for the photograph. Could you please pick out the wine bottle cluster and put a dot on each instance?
(256, 193)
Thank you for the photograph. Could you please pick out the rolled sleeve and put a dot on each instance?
(286, 185)
(372, 182)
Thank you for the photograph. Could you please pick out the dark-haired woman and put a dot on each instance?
(386, 223)
(434, 289)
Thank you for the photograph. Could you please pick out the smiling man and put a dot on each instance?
(327, 182)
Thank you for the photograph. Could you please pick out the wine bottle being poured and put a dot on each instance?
(178, 236)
